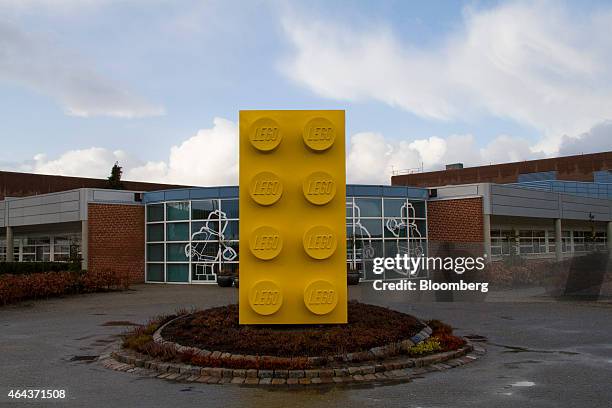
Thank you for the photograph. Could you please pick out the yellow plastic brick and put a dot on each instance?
(292, 217)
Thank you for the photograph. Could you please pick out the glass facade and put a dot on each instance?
(578, 188)
(506, 241)
(191, 240)
(46, 248)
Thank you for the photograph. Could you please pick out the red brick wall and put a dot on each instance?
(116, 239)
(455, 220)
(575, 168)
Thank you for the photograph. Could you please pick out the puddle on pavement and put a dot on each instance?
(119, 323)
(85, 337)
(84, 358)
(476, 338)
(519, 349)
(103, 342)
(519, 364)
(523, 384)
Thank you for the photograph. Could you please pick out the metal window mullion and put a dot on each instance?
(146, 243)
(51, 248)
(189, 280)
(165, 243)
(219, 262)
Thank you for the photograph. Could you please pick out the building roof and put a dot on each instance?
(570, 168)
(14, 184)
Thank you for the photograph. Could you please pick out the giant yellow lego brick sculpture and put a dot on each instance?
(292, 217)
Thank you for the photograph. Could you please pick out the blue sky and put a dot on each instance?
(158, 84)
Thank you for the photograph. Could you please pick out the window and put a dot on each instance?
(155, 212)
(177, 272)
(176, 253)
(503, 242)
(155, 272)
(566, 241)
(601, 241)
(551, 242)
(178, 231)
(368, 207)
(155, 252)
(383, 227)
(65, 247)
(201, 210)
(2, 250)
(155, 232)
(192, 241)
(532, 242)
(230, 208)
(36, 249)
(177, 211)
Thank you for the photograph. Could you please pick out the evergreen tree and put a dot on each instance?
(114, 180)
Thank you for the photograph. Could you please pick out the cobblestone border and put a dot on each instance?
(375, 353)
(396, 370)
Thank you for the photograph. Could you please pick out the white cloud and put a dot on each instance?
(535, 63)
(208, 158)
(44, 67)
(372, 158)
(92, 162)
(598, 139)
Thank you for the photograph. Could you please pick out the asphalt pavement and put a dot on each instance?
(540, 353)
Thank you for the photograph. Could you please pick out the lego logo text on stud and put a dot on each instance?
(265, 297)
(320, 242)
(319, 188)
(265, 243)
(265, 134)
(266, 188)
(319, 134)
(320, 297)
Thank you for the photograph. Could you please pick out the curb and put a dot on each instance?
(375, 353)
(398, 369)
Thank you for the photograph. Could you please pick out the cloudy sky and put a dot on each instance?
(157, 84)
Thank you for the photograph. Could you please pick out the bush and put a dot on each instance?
(449, 342)
(218, 329)
(438, 327)
(25, 268)
(140, 339)
(28, 286)
(429, 346)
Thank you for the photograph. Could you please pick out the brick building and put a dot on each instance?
(587, 168)
(161, 234)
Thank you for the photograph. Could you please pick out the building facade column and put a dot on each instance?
(558, 238)
(10, 245)
(486, 223)
(84, 244)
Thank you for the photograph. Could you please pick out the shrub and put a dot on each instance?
(449, 342)
(438, 327)
(25, 268)
(218, 329)
(429, 346)
(20, 287)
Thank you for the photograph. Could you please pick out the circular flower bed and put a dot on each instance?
(368, 326)
(210, 346)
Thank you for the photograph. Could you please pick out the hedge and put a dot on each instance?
(20, 287)
(24, 268)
